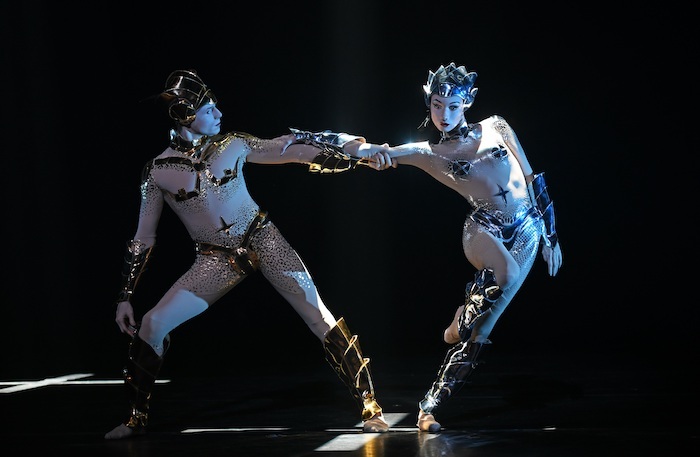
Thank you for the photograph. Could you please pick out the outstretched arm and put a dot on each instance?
(323, 151)
(277, 150)
(417, 154)
(372, 155)
(332, 146)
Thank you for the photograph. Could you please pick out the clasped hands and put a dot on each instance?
(375, 156)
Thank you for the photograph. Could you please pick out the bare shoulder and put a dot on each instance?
(496, 122)
(499, 125)
(240, 140)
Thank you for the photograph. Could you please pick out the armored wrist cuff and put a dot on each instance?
(545, 206)
(135, 259)
(331, 157)
(325, 137)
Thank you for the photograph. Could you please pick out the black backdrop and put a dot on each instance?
(580, 84)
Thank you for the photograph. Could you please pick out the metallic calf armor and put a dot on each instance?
(459, 363)
(140, 375)
(480, 295)
(135, 260)
(344, 355)
(461, 359)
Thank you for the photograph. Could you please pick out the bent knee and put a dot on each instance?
(508, 276)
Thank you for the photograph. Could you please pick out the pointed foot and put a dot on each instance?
(427, 423)
(375, 424)
(121, 432)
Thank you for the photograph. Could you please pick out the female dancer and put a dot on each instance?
(511, 216)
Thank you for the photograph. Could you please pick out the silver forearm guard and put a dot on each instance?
(325, 137)
(545, 206)
(135, 260)
(331, 157)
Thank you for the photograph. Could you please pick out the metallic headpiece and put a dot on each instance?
(449, 81)
(185, 93)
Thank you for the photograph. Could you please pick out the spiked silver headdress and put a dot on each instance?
(449, 81)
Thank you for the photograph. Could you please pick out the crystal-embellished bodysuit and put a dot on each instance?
(206, 189)
(477, 161)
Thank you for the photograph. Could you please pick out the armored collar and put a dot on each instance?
(458, 132)
(192, 148)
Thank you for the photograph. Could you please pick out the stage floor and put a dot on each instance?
(536, 406)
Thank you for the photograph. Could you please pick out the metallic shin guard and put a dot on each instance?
(139, 377)
(480, 295)
(345, 356)
(460, 361)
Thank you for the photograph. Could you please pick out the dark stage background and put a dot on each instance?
(590, 92)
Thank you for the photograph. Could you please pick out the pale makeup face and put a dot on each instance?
(208, 120)
(446, 112)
